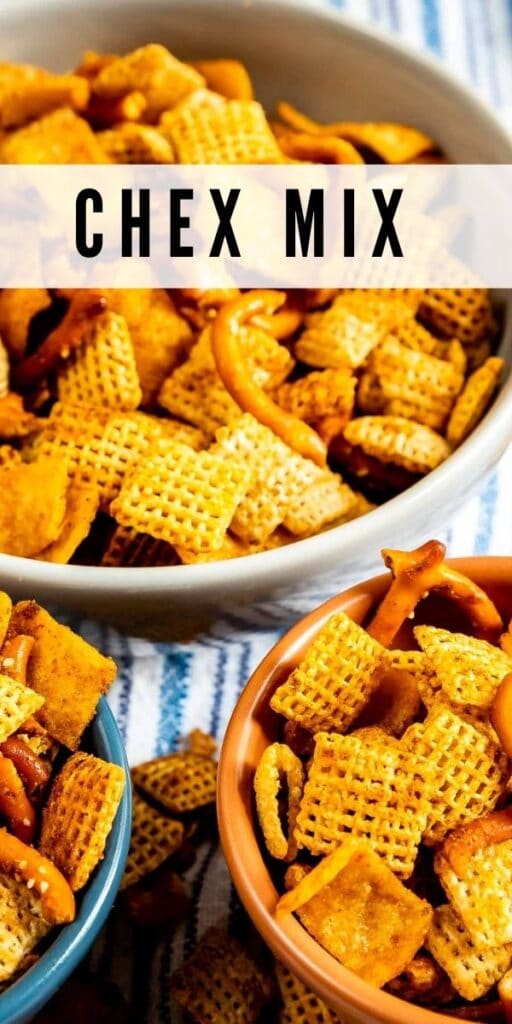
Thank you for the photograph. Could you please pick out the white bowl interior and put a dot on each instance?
(329, 68)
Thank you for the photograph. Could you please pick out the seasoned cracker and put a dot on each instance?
(474, 400)
(394, 439)
(79, 815)
(154, 838)
(179, 782)
(469, 670)
(332, 683)
(182, 497)
(82, 502)
(103, 370)
(357, 912)
(61, 137)
(363, 790)
(67, 672)
(27, 93)
(471, 969)
(32, 516)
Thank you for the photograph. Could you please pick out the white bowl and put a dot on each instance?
(330, 68)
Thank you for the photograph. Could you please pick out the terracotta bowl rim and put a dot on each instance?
(288, 940)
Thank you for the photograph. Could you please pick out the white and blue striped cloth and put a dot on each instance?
(164, 690)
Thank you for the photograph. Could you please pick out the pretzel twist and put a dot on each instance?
(415, 574)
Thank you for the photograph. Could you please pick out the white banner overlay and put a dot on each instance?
(301, 226)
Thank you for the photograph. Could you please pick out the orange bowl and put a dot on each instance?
(252, 727)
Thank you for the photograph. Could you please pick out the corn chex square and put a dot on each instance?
(471, 969)
(398, 440)
(469, 670)
(482, 899)
(344, 334)
(221, 982)
(464, 313)
(285, 488)
(223, 132)
(464, 770)
(367, 790)
(21, 925)
(182, 497)
(154, 838)
(102, 371)
(423, 384)
(78, 817)
(334, 680)
(179, 782)
(299, 1004)
(474, 400)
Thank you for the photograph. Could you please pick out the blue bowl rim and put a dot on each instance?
(29, 994)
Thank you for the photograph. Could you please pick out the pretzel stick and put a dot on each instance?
(415, 574)
(25, 864)
(33, 771)
(15, 805)
(84, 306)
(233, 373)
(14, 657)
(460, 845)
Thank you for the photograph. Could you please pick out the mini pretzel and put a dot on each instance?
(33, 771)
(25, 864)
(14, 657)
(278, 762)
(463, 842)
(501, 713)
(84, 306)
(15, 805)
(251, 398)
(319, 149)
(415, 574)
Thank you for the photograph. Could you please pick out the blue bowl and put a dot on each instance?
(22, 1000)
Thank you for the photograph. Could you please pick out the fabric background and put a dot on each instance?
(164, 690)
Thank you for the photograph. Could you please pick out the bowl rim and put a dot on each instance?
(37, 985)
(491, 435)
(288, 940)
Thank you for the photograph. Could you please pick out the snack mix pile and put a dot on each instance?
(391, 771)
(121, 405)
(57, 802)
